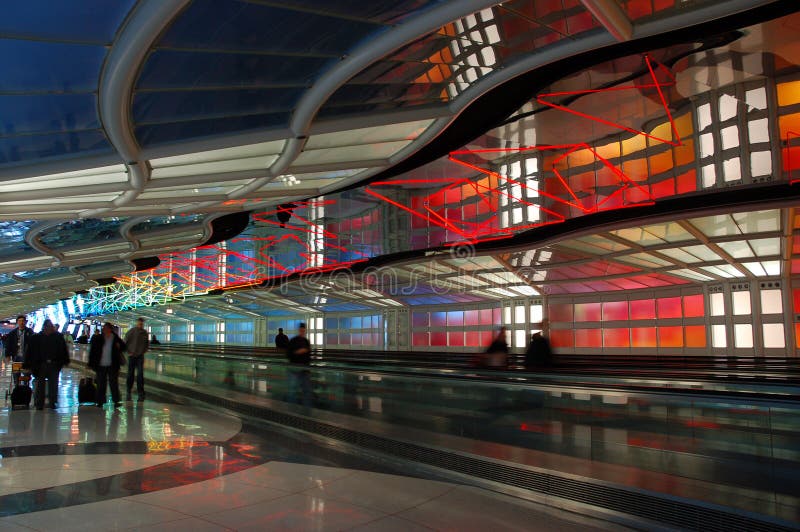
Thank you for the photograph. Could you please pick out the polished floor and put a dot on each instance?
(162, 466)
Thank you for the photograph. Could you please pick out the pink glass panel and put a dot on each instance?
(588, 338)
(616, 337)
(669, 307)
(615, 310)
(693, 306)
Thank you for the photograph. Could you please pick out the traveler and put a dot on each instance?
(138, 342)
(17, 343)
(298, 351)
(84, 337)
(154, 341)
(497, 353)
(106, 355)
(68, 336)
(539, 353)
(281, 340)
(46, 356)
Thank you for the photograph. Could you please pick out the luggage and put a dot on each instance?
(87, 390)
(21, 395)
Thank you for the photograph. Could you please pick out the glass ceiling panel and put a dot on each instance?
(47, 113)
(76, 20)
(150, 135)
(758, 222)
(37, 147)
(161, 222)
(45, 66)
(80, 232)
(69, 179)
(737, 249)
(224, 154)
(12, 237)
(368, 152)
(383, 11)
(369, 135)
(217, 167)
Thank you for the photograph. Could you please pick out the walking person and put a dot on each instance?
(17, 343)
(106, 356)
(539, 353)
(137, 341)
(47, 355)
(298, 351)
(281, 340)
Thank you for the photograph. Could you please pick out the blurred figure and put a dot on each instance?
(106, 356)
(138, 342)
(154, 341)
(67, 336)
(497, 353)
(47, 355)
(298, 351)
(281, 340)
(539, 353)
(84, 337)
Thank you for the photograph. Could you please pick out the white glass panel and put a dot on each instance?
(730, 137)
(755, 268)
(237, 152)
(355, 154)
(703, 116)
(702, 252)
(756, 98)
(730, 270)
(773, 267)
(741, 303)
(76, 183)
(709, 175)
(760, 163)
(680, 254)
(718, 336)
(640, 235)
(719, 225)
(706, 145)
(758, 222)
(774, 337)
(771, 302)
(718, 304)
(368, 135)
(732, 169)
(728, 107)
(536, 313)
(216, 167)
(758, 130)
(743, 335)
(519, 339)
(737, 250)
(507, 315)
(67, 177)
(765, 247)
(519, 314)
(690, 274)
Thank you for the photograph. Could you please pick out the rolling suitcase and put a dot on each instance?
(22, 393)
(87, 390)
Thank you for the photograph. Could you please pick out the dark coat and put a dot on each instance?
(281, 341)
(539, 353)
(46, 350)
(11, 341)
(96, 352)
(296, 344)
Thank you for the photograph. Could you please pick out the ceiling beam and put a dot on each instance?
(612, 17)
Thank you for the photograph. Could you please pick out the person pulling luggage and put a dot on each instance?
(46, 356)
(138, 342)
(17, 343)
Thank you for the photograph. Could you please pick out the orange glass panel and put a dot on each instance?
(663, 189)
(695, 336)
(662, 131)
(789, 123)
(560, 312)
(670, 336)
(643, 336)
(669, 307)
(788, 93)
(636, 169)
(661, 162)
(633, 144)
(561, 338)
(581, 158)
(609, 151)
(583, 182)
(588, 338)
(643, 309)
(615, 310)
(797, 334)
(616, 337)
(684, 124)
(587, 312)
(684, 154)
(791, 160)
(693, 306)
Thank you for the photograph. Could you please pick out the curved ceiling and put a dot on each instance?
(128, 134)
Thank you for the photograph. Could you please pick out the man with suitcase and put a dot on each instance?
(17, 343)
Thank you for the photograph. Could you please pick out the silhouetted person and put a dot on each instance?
(497, 353)
(539, 353)
(281, 340)
(17, 343)
(137, 341)
(47, 355)
(298, 351)
(154, 341)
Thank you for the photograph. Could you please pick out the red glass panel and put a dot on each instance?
(355, 339)
(438, 319)
(560, 312)
(419, 339)
(616, 337)
(472, 339)
(485, 317)
(643, 336)
(344, 338)
(331, 339)
(471, 318)
(687, 182)
(588, 338)
(497, 317)
(438, 338)
(695, 336)
(455, 318)
(587, 312)
(486, 338)
(669, 307)
(615, 310)
(561, 338)
(797, 334)
(670, 336)
(455, 338)
(663, 189)
(693, 306)
(643, 309)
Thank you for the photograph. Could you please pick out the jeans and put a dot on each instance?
(107, 374)
(136, 366)
(49, 373)
(300, 386)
